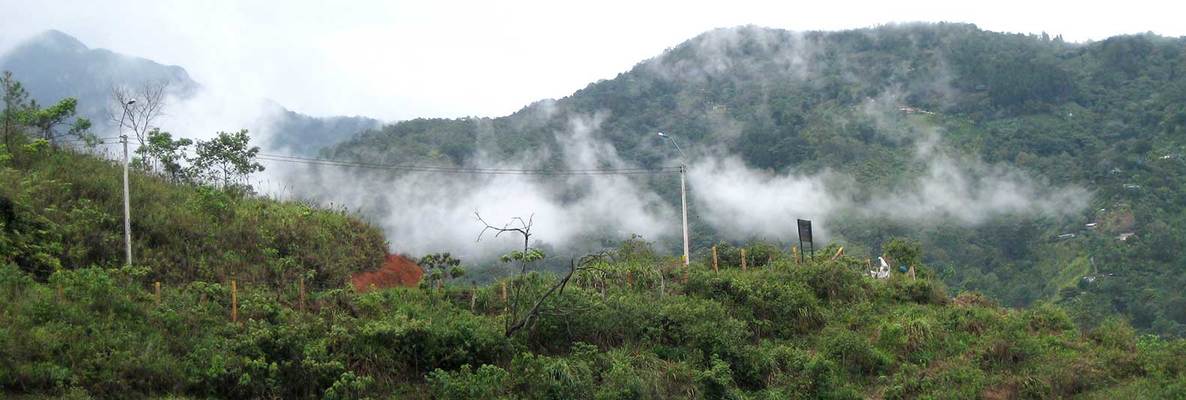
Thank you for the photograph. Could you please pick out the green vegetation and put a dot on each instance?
(785, 330)
(1107, 116)
(76, 323)
(60, 210)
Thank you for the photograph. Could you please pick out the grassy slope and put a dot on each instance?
(778, 331)
(74, 324)
(66, 212)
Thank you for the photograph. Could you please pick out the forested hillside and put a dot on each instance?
(234, 295)
(1069, 157)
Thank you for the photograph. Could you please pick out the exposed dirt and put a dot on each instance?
(397, 270)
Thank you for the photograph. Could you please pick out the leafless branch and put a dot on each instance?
(138, 117)
(523, 229)
(558, 289)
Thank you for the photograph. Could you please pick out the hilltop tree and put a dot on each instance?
(442, 267)
(904, 252)
(20, 111)
(16, 108)
(226, 160)
(167, 152)
(48, 120)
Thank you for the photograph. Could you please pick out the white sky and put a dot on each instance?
(399, 59)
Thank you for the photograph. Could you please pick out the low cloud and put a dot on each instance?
(431, 212)
(743, 202)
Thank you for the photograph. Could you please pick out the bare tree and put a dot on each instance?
(141, 116)
(525, 308)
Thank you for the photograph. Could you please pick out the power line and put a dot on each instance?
(98, 140)
(286, 158)
(472, 171)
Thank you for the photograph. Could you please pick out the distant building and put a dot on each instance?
(913, 110)
(1124, 236)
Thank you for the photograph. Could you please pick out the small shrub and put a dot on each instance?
(831, 282)
(543, 377)
(853, 352)
(1114, 333)
(488, 382)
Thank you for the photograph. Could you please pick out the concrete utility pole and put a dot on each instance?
(683, 193)
(127, 202)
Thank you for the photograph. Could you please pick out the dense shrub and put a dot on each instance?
(488, 382)
(408, 333)
(773, 304)
(921, 291)
(831, 281)
(67, 212)
(853, 352)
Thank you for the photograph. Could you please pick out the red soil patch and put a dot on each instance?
(397, 270)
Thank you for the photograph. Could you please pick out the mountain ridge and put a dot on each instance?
(933, 129)
(54, 65)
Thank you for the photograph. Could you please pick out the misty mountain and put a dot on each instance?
(303, 134)
(54, 65)
(1032, 168)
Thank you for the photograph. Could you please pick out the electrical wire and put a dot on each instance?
(457, 170)
(286, 158)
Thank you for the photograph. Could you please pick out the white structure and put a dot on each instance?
(883, 270)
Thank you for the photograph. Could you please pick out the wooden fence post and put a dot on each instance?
(234, 301)
(504, 291)
(663, 281)
(743, 264)
(630, 279)
(795, 255)
(714, 258)
(301, 293)
(156, 288)
(473, 298)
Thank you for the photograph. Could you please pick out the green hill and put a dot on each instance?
(620, 329)
(62, 211)
(1044, 137)
(230, 319)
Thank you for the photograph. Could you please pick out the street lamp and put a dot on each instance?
(683, 192)
(127, 203)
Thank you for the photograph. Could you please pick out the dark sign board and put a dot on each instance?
(805, 236)
(805, 230)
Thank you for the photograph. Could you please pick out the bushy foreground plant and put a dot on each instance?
(96, 332)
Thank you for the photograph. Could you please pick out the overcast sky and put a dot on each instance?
(398, 59)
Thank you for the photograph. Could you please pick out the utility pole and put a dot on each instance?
(683, 199)
(683, 193)
(127, 203)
